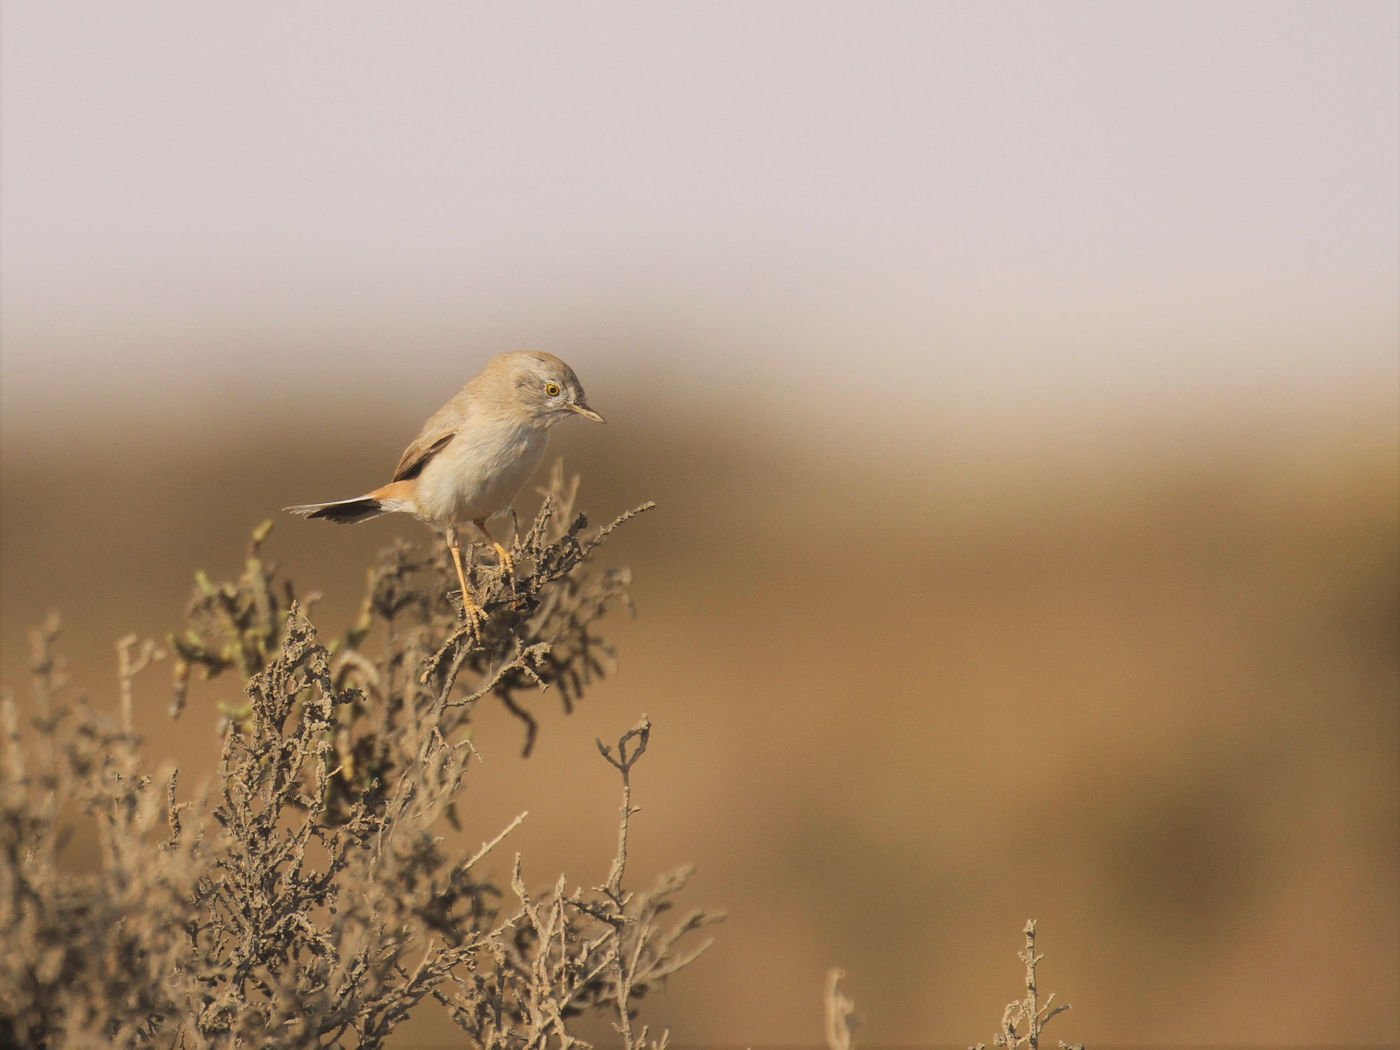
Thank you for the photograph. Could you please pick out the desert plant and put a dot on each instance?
(1023, 1021)
(310, 897)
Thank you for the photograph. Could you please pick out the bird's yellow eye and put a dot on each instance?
(552, 389)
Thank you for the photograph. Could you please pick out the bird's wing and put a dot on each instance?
(424, 448)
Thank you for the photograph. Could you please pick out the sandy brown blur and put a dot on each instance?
(1141, 687)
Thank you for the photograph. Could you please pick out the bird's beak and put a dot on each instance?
(586, 412)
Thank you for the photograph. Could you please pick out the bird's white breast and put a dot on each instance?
(479, 472)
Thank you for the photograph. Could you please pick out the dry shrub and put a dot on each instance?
(312, 897)
(1022, 1022)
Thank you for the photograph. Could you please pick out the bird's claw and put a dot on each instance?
(507, 562)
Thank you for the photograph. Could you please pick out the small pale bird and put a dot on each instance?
(474, 453)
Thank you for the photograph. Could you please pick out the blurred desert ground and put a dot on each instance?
(908, 689)
(1017, 384)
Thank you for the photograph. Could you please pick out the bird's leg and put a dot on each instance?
(469, 607)
(507, 561)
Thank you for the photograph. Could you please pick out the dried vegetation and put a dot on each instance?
(1022, 1022)
(317, 893)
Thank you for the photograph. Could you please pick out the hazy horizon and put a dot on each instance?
(996, 208)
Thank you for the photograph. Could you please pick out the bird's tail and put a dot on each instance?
(344, 511)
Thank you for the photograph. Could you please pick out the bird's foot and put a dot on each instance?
(472, 614)
(507, 561)
(508, 578)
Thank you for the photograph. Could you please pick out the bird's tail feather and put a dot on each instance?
(344, 511)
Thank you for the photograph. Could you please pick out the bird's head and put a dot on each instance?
(545, 386)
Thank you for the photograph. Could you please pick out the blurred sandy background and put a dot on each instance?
(1018, 384)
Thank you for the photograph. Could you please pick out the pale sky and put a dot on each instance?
(943, 204)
